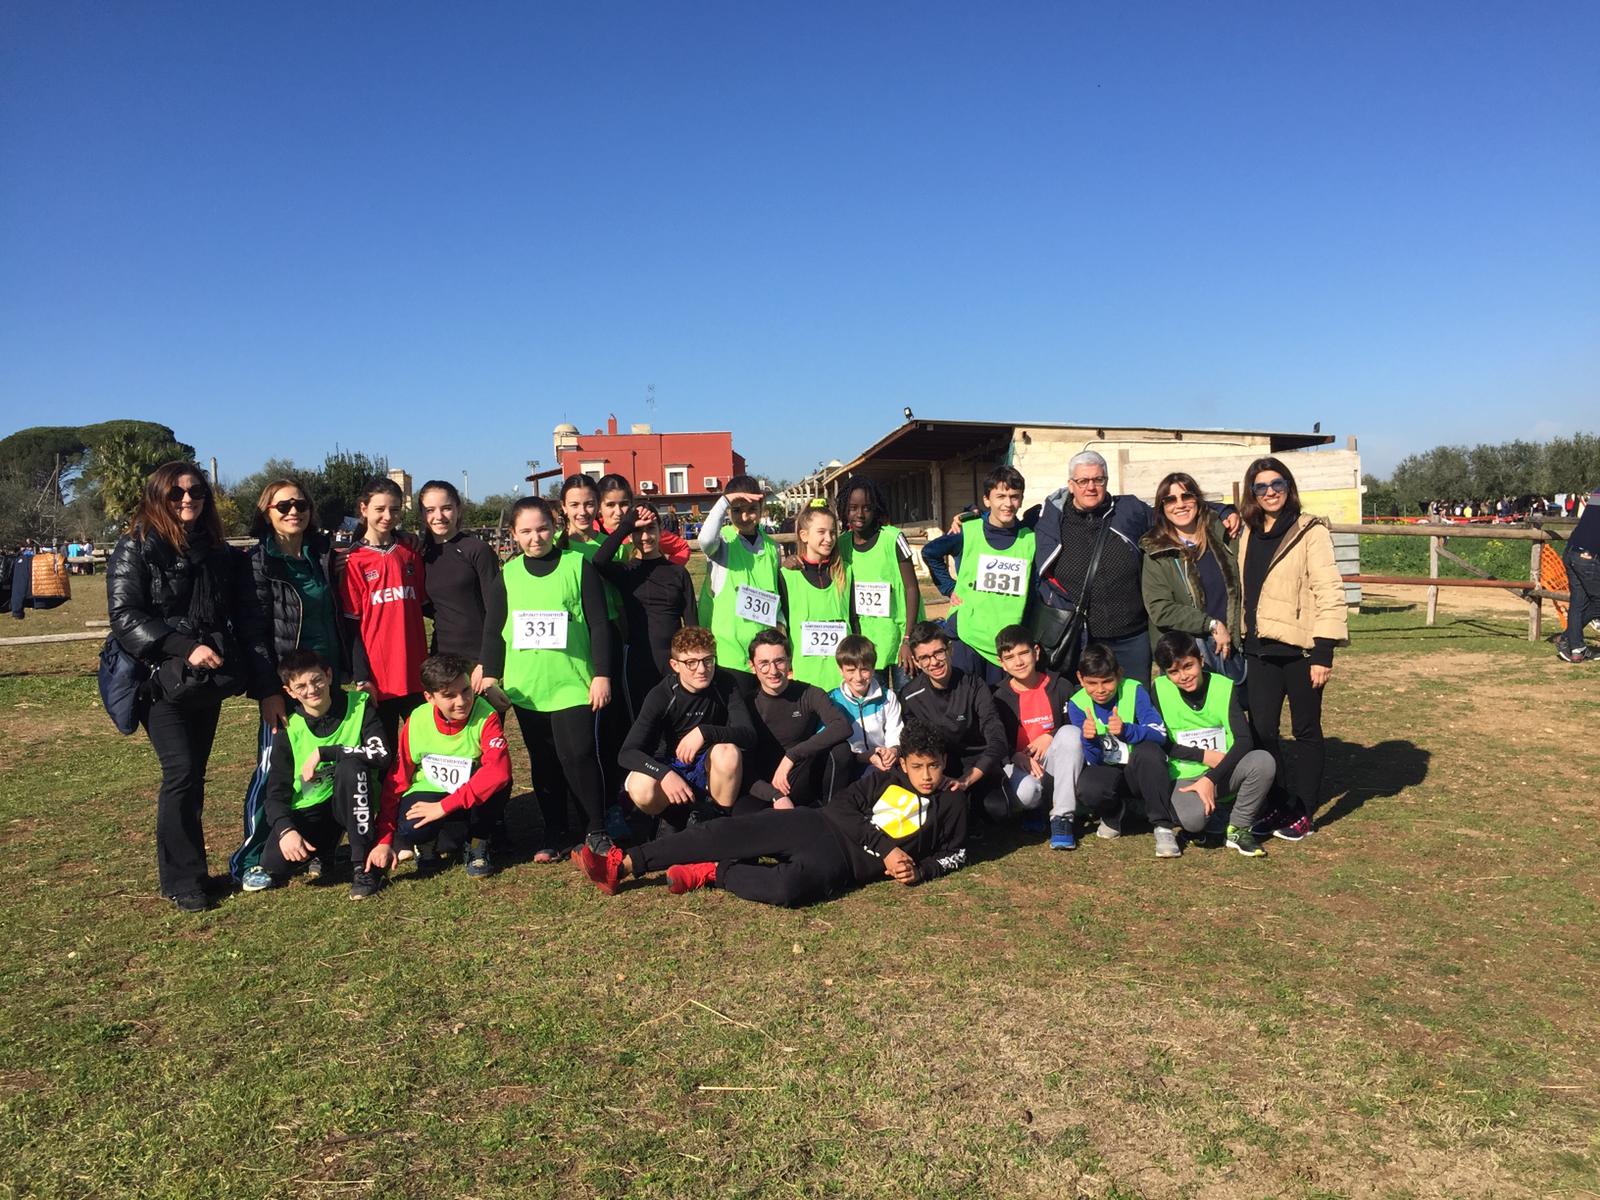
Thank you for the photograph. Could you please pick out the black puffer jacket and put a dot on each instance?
(149, 590)
(278, 608)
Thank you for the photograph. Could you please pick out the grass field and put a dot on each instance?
(1403, 1005)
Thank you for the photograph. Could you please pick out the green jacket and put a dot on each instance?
(1173, 595)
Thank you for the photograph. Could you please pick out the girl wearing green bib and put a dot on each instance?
(883, 583)
(816, 598)
(550, 647)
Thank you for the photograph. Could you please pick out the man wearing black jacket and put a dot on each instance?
(961, 708)
(691, 733)
(904, 824)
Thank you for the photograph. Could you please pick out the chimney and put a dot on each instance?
(611, 424)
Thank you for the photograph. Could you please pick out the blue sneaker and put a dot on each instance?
(479, 865)
(257, 879)
(1061, 835)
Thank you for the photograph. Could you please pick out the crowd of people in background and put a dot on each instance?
(793, 727)
(1506, 509)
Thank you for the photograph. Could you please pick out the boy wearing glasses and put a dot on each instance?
(320, 783)
(802, 748)
(687, 744)
(961, 708)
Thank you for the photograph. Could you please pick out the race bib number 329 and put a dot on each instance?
(1000, 575)
(819, 639)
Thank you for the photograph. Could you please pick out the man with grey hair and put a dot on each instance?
(1066, 531)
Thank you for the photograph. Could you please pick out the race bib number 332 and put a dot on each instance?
(872, 600)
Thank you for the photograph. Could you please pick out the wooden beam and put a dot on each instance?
(40, 639)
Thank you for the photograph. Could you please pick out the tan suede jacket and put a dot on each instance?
(1302, 597)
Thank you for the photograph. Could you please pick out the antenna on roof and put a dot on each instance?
(650, 399)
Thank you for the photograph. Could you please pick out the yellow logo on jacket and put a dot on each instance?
(898, 811)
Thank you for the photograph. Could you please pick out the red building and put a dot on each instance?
(676, 470)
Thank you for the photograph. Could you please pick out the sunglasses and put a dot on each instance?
(1177, 498)
(1272, 485)
(285, 507)
(197, 494)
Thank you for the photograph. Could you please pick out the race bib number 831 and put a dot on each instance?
(1001, 576)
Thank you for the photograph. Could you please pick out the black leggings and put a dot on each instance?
(811, 864)
(1103, 788)
(564, 763)
(1267, 684)
(181, 733)
(453, 830)
(350, 810)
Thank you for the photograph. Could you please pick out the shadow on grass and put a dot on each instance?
(1459, 628)
(1363, 773)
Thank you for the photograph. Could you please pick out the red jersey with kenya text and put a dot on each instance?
(383, 590)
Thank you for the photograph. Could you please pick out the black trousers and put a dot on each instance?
(453, 830)
(564, 763)
(811, 783)
(390, 713)
(181, 733)
(1268, 683)
(808, 861)
(352, 810)
(1104, 790)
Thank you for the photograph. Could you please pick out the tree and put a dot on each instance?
(343, 476)
(120, 465)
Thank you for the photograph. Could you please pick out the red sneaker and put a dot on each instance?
(605, 871)
(690, 876)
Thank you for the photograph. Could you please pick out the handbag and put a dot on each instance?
(1059, 632)
(122, 691)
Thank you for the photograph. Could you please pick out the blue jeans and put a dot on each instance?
(1133, 654)
(1583, 584)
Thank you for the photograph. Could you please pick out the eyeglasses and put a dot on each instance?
(931, 657)
(285, 507)
(1093, 481)
(309, 686)
(696, 664)
(1173, 498)
(198, 493)
(770, 664)
(1278, 485)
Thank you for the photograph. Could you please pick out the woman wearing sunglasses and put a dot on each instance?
(1294, 615)
(178, 601)
(1190, 580)
(291, 568)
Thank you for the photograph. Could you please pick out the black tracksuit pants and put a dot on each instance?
(352, 810)
(453, 830)
(1268, 682)
(1104, 790)
(181, 732)
(564, 763)
(811, 863)
(390, 713)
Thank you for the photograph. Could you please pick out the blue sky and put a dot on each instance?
(432, 231)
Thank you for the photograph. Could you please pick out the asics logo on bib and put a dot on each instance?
(390, 594)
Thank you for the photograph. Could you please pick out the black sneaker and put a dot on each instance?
(365, 883)
(191, 902)
(1581, 654)
(429, 861)
(476, 858)
(600, 843)
(314, 868)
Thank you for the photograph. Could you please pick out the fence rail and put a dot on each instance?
(1532, 589)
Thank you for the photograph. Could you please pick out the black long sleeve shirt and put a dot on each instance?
(671, 710)
(800, 722)
(963, 710)
(602, 646)
(657, 596)
(937, 838)
(461, 573)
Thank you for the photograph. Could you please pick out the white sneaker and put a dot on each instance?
(1167, 843)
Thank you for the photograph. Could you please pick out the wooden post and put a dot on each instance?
(1535, 604)
(1433, 573)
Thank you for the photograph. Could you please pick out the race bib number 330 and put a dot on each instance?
(1000, 575)
(753, 604)
(539, 630)
(446, 771)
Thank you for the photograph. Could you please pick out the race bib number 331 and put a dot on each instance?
(1202, 739)
(539, 630)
